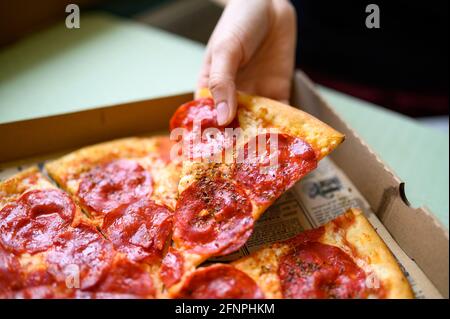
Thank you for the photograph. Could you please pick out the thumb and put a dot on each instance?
(225, 60)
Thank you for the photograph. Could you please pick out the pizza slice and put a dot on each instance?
(32, 214)
(343, 259)
(46, 252)
(128, 189)
(231, 175)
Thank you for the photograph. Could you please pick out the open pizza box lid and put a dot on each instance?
(417, 232)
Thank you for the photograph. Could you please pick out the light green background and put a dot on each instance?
(109, 61)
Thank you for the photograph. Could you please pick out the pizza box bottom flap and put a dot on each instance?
(419, 235)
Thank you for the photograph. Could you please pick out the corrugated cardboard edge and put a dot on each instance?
(417, 231)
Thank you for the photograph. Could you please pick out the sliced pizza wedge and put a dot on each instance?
(345, 258)
(48, 251)
(231, 175)
(33, 213)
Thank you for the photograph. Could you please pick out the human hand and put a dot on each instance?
(252, 49)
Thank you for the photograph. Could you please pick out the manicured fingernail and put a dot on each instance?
(222, 113)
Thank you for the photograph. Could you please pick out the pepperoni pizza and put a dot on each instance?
(229, 177)
(342, 259)
(107, 230)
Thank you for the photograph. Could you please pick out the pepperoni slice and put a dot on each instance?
(219, 282)
(80, 253)
(213, 216)
(202, 110)
(140, 230)
(108, 186)
(127, 277)
(316, 270)
(172, 267)
(10, 275)
(266, 182)
(204, 138)
(32, 223)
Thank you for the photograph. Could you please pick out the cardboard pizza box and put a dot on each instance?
(418, 233)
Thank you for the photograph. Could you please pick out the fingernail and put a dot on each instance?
(222, 113)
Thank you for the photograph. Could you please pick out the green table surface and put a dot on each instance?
(109, 61)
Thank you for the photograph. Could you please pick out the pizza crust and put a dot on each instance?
(256, 111)
(29, 179)
(72, 165)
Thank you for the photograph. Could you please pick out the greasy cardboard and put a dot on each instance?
(417, 231)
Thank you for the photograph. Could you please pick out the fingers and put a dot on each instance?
(218, 74)
(225, 59)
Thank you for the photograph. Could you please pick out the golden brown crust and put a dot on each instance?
(72, 165)
(255, 111)
(350, 232)
(13, 187)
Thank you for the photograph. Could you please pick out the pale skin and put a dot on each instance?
(252, 49)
